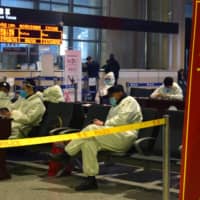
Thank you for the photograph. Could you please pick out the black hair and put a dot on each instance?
(116, 88)
(5, 85)
(30, 82)
(112, 56)
(168, 81)
(88, 58)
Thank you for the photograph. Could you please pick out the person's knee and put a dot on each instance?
(72, 148)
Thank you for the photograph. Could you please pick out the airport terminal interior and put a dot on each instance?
(73, 65)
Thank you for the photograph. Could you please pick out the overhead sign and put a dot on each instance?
(190, 165)
(5, 13)
(30, 33)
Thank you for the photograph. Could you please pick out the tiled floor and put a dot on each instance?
(28, 184)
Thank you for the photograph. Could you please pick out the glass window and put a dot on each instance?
(18, 56)
(59, 7)
(59, 1)
(22, 56)
(88, 2)
(188, 10)
(65, 32)
(45, 6)
(63, 47)
(18, 3)
(89, 11)
(85, 33)
(86, 48)
(55, 1)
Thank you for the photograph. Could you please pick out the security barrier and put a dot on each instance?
(79, 135)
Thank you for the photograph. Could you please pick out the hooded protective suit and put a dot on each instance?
(28, 114)
(53, 94)
(4, 100)
(173, 93)
(109, 81)
(126, 112)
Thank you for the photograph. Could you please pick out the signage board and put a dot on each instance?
(30, 33)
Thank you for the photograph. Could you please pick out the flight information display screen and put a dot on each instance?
(30, 34)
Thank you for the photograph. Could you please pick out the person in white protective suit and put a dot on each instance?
(102, 94)
(5, 101)
(29, 113)
(124, 110)
(53, 94)
(169, 90)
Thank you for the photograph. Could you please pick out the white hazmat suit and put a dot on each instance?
(108, 82)
(28, 114)
(53, 94)
(173, 93)
(126, 112)
(4, 100)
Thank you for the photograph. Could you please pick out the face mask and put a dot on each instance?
(23, 94)
(113, 101)
(107, 82)
(168, 90)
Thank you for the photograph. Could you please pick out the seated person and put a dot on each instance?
(169, 91)
(5, 101)
(53, 94)
(102, 94)
(124, 110)
(28, 114)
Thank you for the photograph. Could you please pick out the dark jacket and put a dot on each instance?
(113, 66)
(93, 69)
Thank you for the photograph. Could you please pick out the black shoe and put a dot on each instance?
(89, 184)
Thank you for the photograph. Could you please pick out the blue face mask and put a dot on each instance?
(113, 101)
(167, 90)
(107, 82)
(23, 94)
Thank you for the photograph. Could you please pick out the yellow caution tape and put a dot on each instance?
(80, 135)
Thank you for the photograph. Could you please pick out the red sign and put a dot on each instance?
(190, 165)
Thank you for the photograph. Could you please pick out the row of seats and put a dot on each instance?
(72, 117)
(60, 116)
(141, 92)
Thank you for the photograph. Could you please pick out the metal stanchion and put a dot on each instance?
(166, 160)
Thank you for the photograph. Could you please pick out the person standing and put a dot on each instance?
(92, 68)
(113, 66)
(102, 94)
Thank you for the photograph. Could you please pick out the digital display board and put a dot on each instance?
(30, 34)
